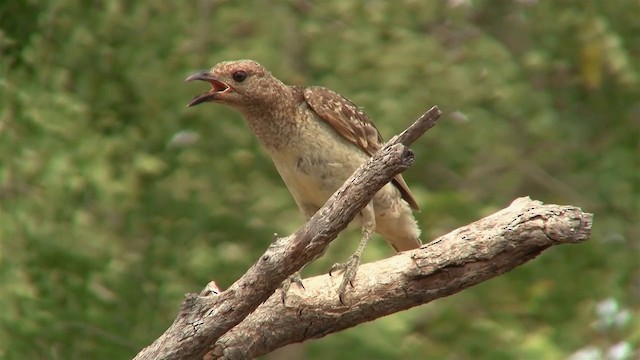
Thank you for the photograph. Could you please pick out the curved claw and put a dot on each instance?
(295, 278)
(350, 270)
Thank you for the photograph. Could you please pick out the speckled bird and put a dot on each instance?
(316, 139)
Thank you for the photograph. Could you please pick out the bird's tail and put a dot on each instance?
(401, 233)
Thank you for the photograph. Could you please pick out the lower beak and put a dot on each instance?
(217, 87)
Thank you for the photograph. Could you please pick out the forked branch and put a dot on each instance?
(247, 320)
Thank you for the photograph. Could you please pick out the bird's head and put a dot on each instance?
(240, 84)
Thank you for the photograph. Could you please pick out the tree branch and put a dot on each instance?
(204, 318)
(249, 320)
(463, 258)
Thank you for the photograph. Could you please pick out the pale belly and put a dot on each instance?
(314, 173)
(313, 178)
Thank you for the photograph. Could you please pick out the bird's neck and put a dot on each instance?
(275, 123)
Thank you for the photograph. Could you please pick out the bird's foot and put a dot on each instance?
(350, 268)
(295, 278)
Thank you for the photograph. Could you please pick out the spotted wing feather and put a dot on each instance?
(354, 125)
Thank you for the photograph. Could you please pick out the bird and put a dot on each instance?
(316, 139)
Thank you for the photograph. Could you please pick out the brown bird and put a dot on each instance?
(316, 139)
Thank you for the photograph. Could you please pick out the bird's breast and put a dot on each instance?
(315, 162)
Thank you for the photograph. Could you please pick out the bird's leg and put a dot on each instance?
(295, 278)
(351, 267)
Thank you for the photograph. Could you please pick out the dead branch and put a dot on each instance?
(202, 320)
(463, 258)
(249, 320)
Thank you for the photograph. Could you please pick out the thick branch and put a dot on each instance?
(460, 259)
(204, 319)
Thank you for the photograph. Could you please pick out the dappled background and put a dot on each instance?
(116, 200)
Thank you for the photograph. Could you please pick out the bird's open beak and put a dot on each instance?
(217, 87)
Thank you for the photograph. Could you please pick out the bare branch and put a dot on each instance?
(249, 320)
(419, 127)
(204, 319)
(453, 262)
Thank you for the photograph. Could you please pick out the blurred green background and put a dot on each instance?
(116, 200)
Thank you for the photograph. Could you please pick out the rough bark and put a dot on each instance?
(463, 258)
(248, 319)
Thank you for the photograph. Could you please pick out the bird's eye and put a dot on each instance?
(239, 76)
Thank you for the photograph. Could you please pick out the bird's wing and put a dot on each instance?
(354, 125)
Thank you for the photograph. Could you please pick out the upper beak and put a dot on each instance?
(200, 75)
(217, 87)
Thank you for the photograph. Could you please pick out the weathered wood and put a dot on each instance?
(463, 258)
(249, 320)
(202, 320)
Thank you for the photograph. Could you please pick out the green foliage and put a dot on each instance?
(105, 221)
